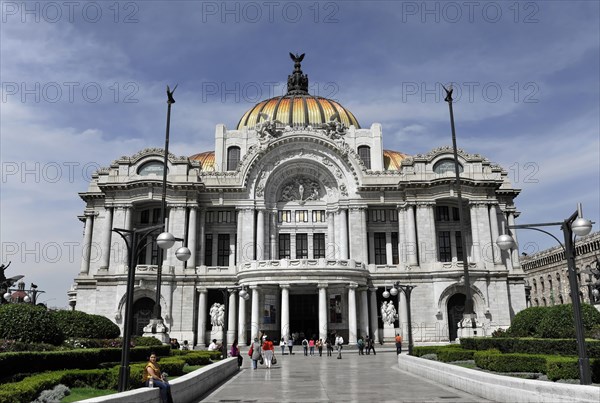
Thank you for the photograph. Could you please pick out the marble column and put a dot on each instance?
(475, 253)
(403, 316)
(273, 232)
(87, 243)
(389, 258)
(231, 317)
(202, 237)
(285, 310)
(331, 247)
(363, 234)
(191, 244)
(254, 320)
(374, 311)
(202, 310)
(352, 325)
(364, 312)
(260, 234)
(240, 226)
(426, 234)
(411, 237)
(242, 322)
(402, 235)
(322, 311)
(106, 237)
(516, 264)
(343, 234)
(495, 233)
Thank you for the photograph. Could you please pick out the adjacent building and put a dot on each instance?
(302, 207)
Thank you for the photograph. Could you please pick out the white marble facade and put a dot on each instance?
(313, 222)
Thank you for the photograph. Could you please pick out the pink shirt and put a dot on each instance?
(311, 343)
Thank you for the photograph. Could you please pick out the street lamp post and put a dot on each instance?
(24, 296)
(134, 242)
(226, 291)
(407, 290)
(574, 225)
(468, 313)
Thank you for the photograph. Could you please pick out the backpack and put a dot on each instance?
(305, 343)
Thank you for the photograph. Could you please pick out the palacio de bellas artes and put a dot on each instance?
(301, 209)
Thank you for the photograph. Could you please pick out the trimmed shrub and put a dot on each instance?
(498, 362)
(530, 345)
(146, 341)
(419, 351)
(558, 321)
(81, 324)
(8, 346)
(455, 354)
(29, 324)
(526, 322)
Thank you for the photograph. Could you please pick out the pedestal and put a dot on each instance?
(156, 328)
(389, 333)
(217, 333)
(467, 329)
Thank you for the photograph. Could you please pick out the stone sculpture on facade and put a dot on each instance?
(300, 190)
(388, 313)
(266, 128)
(217, 314)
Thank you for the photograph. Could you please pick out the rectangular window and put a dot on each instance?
(335, 309)
(319, 216)
(378, 215)
(302, 216)
(208, 247)
(380, 257)
(459, 250)
(301, 246)
(318, 246)
(444, 246)
(223, 250)
(442, 213)
(393, 215)
(284, 216)
(210, 216)
(155, 216)
(145, 218)
(395, 255)
(284, 246)
(455, 214)
(269, 313)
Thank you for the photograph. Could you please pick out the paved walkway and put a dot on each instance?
(366, 378)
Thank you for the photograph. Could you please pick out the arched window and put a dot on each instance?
(233, 158)
(151, 168)
(446, 165)
(364, 152)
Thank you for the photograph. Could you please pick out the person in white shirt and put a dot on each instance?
(339, 340)
(213, 346)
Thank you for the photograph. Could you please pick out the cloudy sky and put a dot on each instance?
(83, 83)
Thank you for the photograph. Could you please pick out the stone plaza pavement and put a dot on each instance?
(354, 378)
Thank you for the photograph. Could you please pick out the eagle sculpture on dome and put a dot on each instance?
(296, 58)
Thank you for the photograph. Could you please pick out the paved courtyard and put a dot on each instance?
(367, 378)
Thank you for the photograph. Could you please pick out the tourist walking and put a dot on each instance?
(290, 345)
(329, 347)
(255, 352)
(339, 340)
(320, 347)
(370, 345)
(361, 346)
(268, 350)
(398, 344)
(282, 344)
(235, 352)
(305, 346)
(311, 346)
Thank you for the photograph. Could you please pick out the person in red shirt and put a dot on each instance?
(398, 343)
(268, 350)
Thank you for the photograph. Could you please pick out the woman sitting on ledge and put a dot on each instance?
(152, 373)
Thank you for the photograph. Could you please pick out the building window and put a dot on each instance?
(208, 246)
(446, 165)
(301, 246)
(145, 217)
(284, 246)
(223, 250)
(364, 152)
(233, 158)
(318, 246)
(393, 215)
(459, 249)
(319, 216)
(444, 247)
(225, 216)
(284, 216)
(302, 216)
(380, 257)
(395, 255)
(210, 216)
(455, 214)
(270, 315)
(378, 215)
(442, 213)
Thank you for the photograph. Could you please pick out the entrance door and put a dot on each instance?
(304, 315)
(456, 308)
(142, 312)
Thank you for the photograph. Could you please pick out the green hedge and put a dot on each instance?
(553, 321)
(29, 388)
(445, 353)
(495, 361)
(530, 345)
(29, 323)
(81, 324)
(40, 361)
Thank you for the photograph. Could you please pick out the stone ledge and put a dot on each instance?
(498, 388)
(187, 388)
